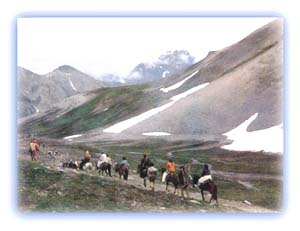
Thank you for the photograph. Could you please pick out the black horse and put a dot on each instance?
(209, 186)
(104, 168)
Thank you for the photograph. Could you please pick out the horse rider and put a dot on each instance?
(205, 175)
(86, 159)
(171, 166)
(205, 170)
(34, 149)
(104, 159)
(145, 163)
(124, 163)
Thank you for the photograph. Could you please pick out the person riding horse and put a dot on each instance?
(123, 168)
(143, 167)
(86, 159)
(171, 166)
(206, 183)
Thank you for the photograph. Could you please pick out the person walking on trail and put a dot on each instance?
(34, 149)
(152, 174)
(86, 159)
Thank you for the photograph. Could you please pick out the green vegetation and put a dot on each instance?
(266, 193)
(120, 101)
(45, 190)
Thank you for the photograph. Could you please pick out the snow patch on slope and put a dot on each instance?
(179, 84)
(268, 140)
(72, 137)
(72, 85)
(121, 126)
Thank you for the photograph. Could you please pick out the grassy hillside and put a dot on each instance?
(46, 190)
(110, 105)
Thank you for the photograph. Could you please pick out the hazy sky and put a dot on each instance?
(117, 45)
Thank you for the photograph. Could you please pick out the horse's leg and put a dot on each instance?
(202, 195)
(109, 171)
(187, 192)
(145, 183)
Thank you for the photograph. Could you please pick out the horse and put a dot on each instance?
(73, 165)
(184, 181)
(104, 167)
(209, 186)
(122, 170)
(170, 178)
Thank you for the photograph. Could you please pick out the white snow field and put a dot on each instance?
(268, 140)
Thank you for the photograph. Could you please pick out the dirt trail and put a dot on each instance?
(195, 196)
(136, 181)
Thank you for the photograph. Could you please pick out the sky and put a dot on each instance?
(116, 45)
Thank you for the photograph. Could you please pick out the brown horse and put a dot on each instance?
(184, 181)
(122, 170)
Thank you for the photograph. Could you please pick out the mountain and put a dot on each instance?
(204, 102)
(38, 93)
(111, 80)
(165, 66)
(243, 79)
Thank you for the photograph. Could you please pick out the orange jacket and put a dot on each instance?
(171, 166)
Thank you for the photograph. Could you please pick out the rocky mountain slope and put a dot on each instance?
(165, 66)
(241, 80)
(38, 93)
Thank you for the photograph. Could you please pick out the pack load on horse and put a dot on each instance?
(143, 167)
(123, 168)
(104, 164)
